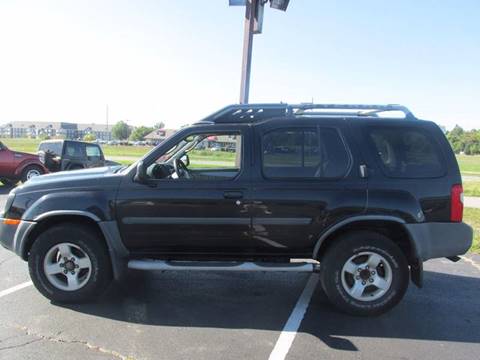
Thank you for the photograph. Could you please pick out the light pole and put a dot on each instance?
(253, 25)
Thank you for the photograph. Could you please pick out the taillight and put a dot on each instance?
(456, 207)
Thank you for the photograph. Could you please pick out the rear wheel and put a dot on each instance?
(69, 263)
(364, 273)
(31, 171)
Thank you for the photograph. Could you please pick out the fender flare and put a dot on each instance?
(416, 269)
(361, 218)
(19, 169)
(109, 229)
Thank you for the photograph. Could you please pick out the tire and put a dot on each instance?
(84, 245)
(349, 289)
(8, 182)
(31, 171)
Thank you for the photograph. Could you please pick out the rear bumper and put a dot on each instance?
(436, 240)
(13, 237)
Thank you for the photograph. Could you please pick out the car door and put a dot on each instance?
(306, 178)
(205, 215)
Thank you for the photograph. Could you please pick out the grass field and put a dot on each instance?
(472, 217)
(471, 188)
(469, 164)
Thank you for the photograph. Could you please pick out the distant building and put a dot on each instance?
(158, 135)
(101, 132)
(20, 129)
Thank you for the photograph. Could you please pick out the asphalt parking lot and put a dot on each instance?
(179, 315)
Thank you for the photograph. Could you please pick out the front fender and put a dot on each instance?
(27, 162)
(93, 204)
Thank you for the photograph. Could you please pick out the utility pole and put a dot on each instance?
(250, 10)
(253, 25)
(106, 118)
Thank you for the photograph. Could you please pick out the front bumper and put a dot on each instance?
(13, 237)
(436, 240)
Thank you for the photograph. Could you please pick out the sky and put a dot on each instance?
(178, 61)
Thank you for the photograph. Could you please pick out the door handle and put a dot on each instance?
(233, 195)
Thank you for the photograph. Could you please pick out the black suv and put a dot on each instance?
(363, 198)
(61, 155)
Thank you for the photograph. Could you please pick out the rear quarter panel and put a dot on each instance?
(411, 199)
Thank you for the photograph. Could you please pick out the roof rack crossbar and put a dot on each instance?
(361, 109)
(258, 112)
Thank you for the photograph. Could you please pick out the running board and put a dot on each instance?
(148, 264)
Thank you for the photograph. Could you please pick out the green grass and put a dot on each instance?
(471, 188)
(469, 164)
(472, 217)
(25, 145)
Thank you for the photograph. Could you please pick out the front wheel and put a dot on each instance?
(31, 171)
(364, 273)
(69, 263)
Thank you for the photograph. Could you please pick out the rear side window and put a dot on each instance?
(93, 151)
(406, 152)
(304, 153)
(52, 147)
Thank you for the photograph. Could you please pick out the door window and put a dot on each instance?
(203, 156)
(304, 153)
(74, 149)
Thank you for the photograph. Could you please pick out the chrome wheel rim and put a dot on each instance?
(366, 276)
(32, 173)
(67, 267)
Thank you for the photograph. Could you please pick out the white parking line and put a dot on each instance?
(473, 263)
(289, 331)
(15, 288)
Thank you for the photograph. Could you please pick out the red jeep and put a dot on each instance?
(15, 166)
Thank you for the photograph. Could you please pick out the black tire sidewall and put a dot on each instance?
(89, 242)
(336, 257)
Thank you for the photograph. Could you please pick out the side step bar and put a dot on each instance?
(149, 264)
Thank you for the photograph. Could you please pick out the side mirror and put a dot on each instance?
(185, 159)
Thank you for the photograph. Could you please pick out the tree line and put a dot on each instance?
(122, 131)
(466, 142)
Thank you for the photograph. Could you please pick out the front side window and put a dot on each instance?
(73, 149)
(406, 152)
(304, 153)
(203, 156)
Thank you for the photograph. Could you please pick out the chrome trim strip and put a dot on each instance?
(66, 212)
(185, 221)
(281, 221)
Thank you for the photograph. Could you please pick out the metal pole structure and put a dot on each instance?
(250, 9)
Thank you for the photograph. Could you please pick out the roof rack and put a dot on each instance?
(257, 112)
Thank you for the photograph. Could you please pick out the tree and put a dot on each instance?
(121, 130)
(89, 137)
(467, 142)
(159, 125)
(140, 132)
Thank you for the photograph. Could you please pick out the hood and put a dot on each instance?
(94, 177)
(24, 154)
